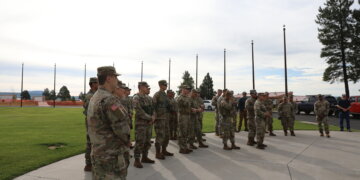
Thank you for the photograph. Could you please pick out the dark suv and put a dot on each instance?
(307, 105)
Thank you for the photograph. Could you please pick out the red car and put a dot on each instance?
(355, 106)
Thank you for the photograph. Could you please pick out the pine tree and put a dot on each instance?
(64, 94)
(336, 34)
(52, 95)
(46, 94)
(25, 95)
(187, 80)
(207, 87)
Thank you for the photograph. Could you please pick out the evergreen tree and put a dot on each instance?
(64, 94)
(25, 95)
(336, 34)
(46, 94)
(207, 87)
(52, 95)
(356, 44)
(187, 80)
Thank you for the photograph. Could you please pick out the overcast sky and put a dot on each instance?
(99, 33)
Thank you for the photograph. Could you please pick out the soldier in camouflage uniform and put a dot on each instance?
(226, 110)
(220, 117)
(214, 103)
(194, 123)
(292, 118)
(261, 113)
(108, 129)
(269, 120)
(184, 108)
(161, 104)
(321, 109)
(143, 124)
(201, 114)
(285, 110)
(172, 115)
(93, 83)
(234, 110)
(249, 106)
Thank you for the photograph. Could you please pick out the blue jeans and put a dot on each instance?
(345, 115)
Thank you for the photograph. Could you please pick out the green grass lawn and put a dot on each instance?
(26, 133)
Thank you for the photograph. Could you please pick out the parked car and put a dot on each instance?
(355, 106)
(208, 106)
(307, 105)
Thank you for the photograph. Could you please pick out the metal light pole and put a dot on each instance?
(141, 70)
(224, 68)
(196, 85)
(253, 69)
(85, 80)
(286, 85)
(169, 72)
(22, 83)
(54, 84)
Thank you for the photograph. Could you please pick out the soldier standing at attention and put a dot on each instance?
(249, 106)
(285, 110)
(214, 103)
(194, 124)
(292, 118)
(172, 115)
(93, 83)
(220, 117)
(184, 108)
(242, 112)
(108, 129)
(269, 120)
(321, 109)
(161, 104)
(260, 117)
(226, 108)
(143, 124)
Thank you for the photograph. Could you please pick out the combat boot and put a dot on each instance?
(137, 163)
(233, 146)
(88, 168)
(321, 133)
(202, 145)
(328, 135)
(158, 155)
(260, 146)
(192, 146)
(292, 133)
(166, 153)
(184, 151)
(272, 134)
(189, 150)
(145, 159)
(285, 132)
(250, 142)
(226, 147)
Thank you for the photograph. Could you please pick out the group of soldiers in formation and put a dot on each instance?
(109, 113)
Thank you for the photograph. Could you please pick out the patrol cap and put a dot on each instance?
(186, 87)
(261, 94)
(219, 89)
(143, 83)
(253, 91)
(93, 80)
(195, 90)
(169, 91)
(230, 93)
(163, 82)
(320, 95)
(244, 92)
(121, 85)
(266, 93)
(225, 89)
(106, 70)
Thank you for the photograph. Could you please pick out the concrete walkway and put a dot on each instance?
(306, 156)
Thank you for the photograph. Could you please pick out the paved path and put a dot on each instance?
(306, 156)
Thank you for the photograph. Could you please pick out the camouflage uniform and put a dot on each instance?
(88, 96)
(260, 119)
(269, 120)
(127, 102)
(321, 109)
(286, 110)
(143, 130)
(249, 106)
(184, 108)
(234, 113)
(173, 117)
(201, 114)
(194, 126)
(161, 106)
(109, 133)
(220, 115)
(217, 116)
(226, 111)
